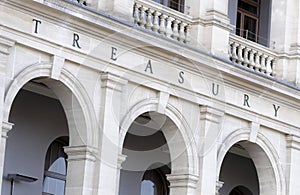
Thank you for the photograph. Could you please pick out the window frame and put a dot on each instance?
(180, 4)
(54, 152)
(246, 13)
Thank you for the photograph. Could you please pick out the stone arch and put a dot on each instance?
(264, 156)
(185, 134)
(67, 86)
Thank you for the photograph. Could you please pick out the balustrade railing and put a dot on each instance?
(162, 20)
(252, 55)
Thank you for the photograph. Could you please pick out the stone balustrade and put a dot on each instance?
(252, 55)
(162, 20)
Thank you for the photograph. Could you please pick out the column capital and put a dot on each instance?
(183, 180)
(293, 142)
(112, 81)
(78, 153)
(6, 127)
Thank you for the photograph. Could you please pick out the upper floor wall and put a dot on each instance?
(267, 41)
(260, 35)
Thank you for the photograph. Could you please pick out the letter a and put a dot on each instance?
(149, 66)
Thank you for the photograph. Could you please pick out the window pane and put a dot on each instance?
(248, 7)
(54, 186)
(238, 24)
(59, 166)
(177, 5)
(250, 28)
(147, 188)
(157, 1)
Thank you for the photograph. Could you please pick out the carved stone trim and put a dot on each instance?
(182, 180)
(6, 127)
(293, 141)
(121, 159)
(211, 114)
(219, 185)
(112, 81)
(79, 153)
(5, 44)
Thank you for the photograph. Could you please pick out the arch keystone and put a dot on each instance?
(58, 63)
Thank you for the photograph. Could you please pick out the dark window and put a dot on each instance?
(240, 190)
(154, 182)
(173, 4)
(247, 22)
(55, 168)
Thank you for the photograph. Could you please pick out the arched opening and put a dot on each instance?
(238, 172)
(154, 148)
(240, 190)
(34, 147)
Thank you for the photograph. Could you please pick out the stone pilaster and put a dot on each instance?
(121, 159)
(285, 33)
(80, 173)
(182, 184)
(109, 165)
(210, 129)
(5, 127)
(293, 165)
(122, 9)
(213, 29)
(5, 46)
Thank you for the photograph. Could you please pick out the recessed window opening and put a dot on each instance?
(247, 21)
(55, 168)
(177, 5)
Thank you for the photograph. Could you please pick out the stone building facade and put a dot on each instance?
(143, 97)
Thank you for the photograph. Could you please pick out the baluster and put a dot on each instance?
(136, 13)
(273, 66)
(263, 63)
(142, 21)
(234, 55)
(230, 50)
(257, 61)
(149, 19)
(187, 33)
(175, 33)
(268, 66)
(181, 31)
(240, 54)
(162, 24)
(169, 26)
(246, 57)
(155, 26)
(251, 59)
